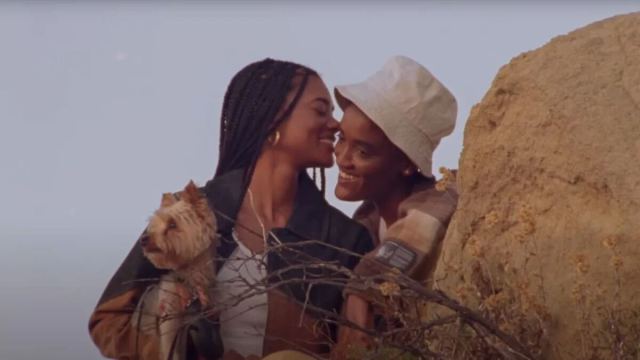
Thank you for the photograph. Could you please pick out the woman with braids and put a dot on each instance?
(276, 122)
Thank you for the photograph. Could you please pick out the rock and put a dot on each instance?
(549, 182)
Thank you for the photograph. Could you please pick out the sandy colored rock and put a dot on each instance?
(549, 183)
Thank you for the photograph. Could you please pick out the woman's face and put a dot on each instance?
(370, 164)
(308, 135)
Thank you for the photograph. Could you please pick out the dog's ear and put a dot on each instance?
(167, 200)
(191, 193)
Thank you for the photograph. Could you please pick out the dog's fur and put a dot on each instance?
(180, 237)
(180, 230)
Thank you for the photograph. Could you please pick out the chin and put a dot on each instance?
(323, 163)
(344, 195)
(327, 164)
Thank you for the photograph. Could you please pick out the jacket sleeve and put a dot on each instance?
(115, 325)
(412, 244)
(115, 332)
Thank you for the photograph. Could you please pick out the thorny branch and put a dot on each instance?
(408, 337)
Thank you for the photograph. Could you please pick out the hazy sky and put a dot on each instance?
(104, 106)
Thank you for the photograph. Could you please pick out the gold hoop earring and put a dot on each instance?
(276, 138)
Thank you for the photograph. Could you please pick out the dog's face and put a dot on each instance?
(179, 230)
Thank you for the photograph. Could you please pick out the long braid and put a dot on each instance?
(251, 112)
(267, 130)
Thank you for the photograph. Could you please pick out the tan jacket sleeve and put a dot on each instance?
(115, 332)
(413, 243)
(125, 322)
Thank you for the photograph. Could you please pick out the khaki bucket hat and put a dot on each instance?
(409, 104)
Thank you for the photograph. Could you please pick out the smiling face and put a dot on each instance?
(308, 135)
(370, 165)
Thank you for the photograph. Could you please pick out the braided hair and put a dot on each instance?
(253, 109)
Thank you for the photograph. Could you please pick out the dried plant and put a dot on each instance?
(498, 312)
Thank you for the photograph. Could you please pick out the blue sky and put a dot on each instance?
(104, 106)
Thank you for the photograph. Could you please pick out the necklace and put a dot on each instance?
(255, 212)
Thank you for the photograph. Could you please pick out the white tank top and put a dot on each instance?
(242, 326)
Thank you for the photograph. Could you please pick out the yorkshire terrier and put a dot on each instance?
(181, 237)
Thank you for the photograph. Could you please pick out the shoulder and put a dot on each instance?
(438, 202)
(224, 193)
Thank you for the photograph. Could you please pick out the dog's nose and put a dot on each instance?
(144, 240)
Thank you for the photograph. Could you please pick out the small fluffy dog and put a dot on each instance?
(180, 237)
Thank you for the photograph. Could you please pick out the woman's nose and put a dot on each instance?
(333, 124)
(342, 158)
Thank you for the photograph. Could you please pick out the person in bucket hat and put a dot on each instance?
(392, 123)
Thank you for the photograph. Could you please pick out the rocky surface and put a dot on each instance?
(549, 183)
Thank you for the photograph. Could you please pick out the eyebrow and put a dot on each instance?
(324, 101)
(364, 144)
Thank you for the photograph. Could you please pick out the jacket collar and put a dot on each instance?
(308, 218)
(225, 192)
(368, 215)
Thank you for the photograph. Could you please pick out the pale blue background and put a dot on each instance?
(104, 106)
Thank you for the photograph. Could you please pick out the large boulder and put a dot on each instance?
(547, 231)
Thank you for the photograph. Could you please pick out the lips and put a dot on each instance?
(328, 139)
(344, 177)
